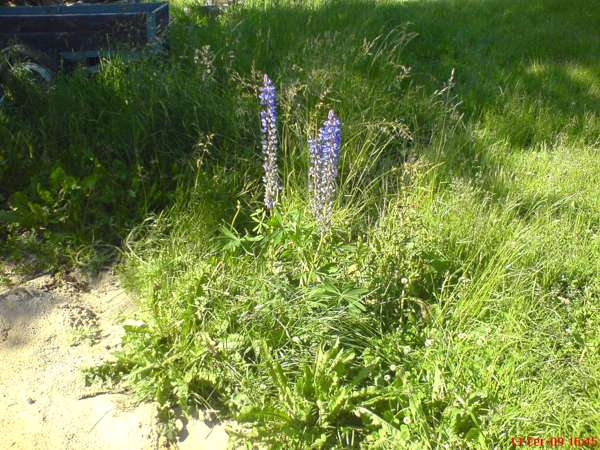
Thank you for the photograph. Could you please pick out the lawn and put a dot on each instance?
(453, 302)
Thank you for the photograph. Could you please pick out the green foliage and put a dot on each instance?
(314, 411)
(454, 302)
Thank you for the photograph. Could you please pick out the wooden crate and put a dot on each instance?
(83, 28)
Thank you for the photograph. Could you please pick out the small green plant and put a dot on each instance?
(318, 409)
(88, 335)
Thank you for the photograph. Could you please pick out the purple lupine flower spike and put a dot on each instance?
(268, 120)
(324, 160)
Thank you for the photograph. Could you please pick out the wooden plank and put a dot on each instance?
(112, 8)
(72, 23)
(83, 28)
(75, 41)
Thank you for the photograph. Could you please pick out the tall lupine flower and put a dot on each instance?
(268, 120)
(324, 158)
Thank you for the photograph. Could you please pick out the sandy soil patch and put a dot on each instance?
(50, 328)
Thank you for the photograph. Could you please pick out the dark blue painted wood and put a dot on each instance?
(83, 27)
(109, 8)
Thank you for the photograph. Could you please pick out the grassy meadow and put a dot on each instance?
(454, 303)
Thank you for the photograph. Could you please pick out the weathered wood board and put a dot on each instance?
(83, 27)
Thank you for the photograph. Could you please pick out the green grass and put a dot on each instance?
(454, 304)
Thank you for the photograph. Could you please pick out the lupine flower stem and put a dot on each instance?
(324, 154)
(268, 120)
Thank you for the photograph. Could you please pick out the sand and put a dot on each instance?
(50, 328)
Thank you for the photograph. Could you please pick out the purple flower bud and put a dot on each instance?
(324, 155)
(268, 121)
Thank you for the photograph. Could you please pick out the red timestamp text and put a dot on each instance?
(555, 441)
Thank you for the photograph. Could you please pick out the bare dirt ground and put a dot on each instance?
(50, 328)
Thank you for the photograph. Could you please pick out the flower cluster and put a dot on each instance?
(268, 119)
(324, 152)
(324, 158)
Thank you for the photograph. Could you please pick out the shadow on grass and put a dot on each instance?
(93, 158)
(527, 73)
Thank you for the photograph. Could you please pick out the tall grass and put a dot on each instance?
(454, 302)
